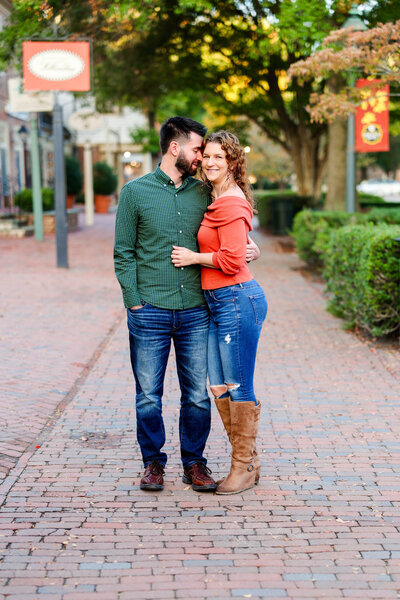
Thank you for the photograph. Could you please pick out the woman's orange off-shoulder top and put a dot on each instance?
(224, 232)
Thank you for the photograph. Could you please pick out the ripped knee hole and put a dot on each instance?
(218, 390)
(233, 386)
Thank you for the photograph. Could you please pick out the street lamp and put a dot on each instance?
(23, 133)
(357, 24)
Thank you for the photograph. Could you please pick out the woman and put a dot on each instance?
(236, 301)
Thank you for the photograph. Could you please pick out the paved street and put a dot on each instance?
(323, 522)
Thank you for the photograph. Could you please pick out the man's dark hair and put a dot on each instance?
(177, 128)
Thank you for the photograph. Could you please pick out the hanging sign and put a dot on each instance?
(372, 118)
(82, 120)
(21, 101)
(56, 66)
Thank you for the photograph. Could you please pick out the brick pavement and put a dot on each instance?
(323, 522)
(43, 311)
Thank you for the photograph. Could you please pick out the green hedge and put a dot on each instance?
(387, 214)
(366, 200)
(362, 273)
(24, 199)
(312, 230)
(276, 208)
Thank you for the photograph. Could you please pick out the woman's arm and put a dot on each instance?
(183, 257)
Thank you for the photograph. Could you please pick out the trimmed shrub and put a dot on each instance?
(312, 230)
(362, 273)
(105, 181)
(24, 199)
(276, 208)
(387, 214)
(73, 175)
(367, 200)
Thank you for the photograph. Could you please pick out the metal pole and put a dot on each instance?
(350, 166)
(59, 181)
(398, 307)
(88, 175)
(356, 24)
(36, 178)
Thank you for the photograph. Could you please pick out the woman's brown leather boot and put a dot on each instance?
(222, 405)
(244, 423)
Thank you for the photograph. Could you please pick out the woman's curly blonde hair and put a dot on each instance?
(236, 160)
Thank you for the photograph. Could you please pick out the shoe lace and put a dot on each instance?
(156, 468)
(203, 468)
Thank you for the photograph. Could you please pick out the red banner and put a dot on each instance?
(372, 118)
(56, 66)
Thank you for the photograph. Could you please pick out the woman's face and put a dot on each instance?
(214, 163)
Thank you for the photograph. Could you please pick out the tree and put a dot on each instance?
(233, 56)
(371, 54)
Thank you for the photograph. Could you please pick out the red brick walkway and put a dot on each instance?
(324, 521)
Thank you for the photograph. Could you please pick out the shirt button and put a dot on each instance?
(181, 285)
(176, 195)
(180, 231)
(179, 213)
(165, 185)
(182, 268)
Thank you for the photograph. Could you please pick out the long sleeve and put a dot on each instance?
(124, 248)
(231, 255)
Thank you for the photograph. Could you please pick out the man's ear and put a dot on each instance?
(174, 148)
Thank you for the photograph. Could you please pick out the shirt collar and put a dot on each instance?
(166, 179)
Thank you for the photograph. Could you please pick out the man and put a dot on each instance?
(156, 212)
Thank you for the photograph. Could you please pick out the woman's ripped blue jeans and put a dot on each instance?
(237, 314)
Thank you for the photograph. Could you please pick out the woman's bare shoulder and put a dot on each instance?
(233, 191)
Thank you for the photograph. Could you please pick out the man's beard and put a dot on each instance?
(184, 166)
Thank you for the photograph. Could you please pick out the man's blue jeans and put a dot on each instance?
(237, 314)
(151, 330)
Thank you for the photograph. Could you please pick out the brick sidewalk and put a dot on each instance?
(52, 321)
(323, 522)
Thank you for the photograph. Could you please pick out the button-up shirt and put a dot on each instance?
(153, 215)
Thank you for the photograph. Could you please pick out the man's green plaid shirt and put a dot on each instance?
(153, 215)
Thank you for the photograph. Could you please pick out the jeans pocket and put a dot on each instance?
(222, 294)
(260, 307)
(136, 311)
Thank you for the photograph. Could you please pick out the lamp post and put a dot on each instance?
(397, 240)
(24, 135)
(357, 24)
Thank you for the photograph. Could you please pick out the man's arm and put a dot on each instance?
(252, 251)
(124, 248)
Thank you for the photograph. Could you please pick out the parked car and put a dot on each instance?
(388, 189)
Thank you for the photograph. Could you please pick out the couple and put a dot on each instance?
(206, 302)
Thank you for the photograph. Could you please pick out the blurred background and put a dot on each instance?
(223, 63)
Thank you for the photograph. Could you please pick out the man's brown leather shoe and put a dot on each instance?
(152, 479)
(198, 475)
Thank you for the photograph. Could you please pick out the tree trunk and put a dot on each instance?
(337, 134)
(309, 160)
(336, 178)
(151, 118)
